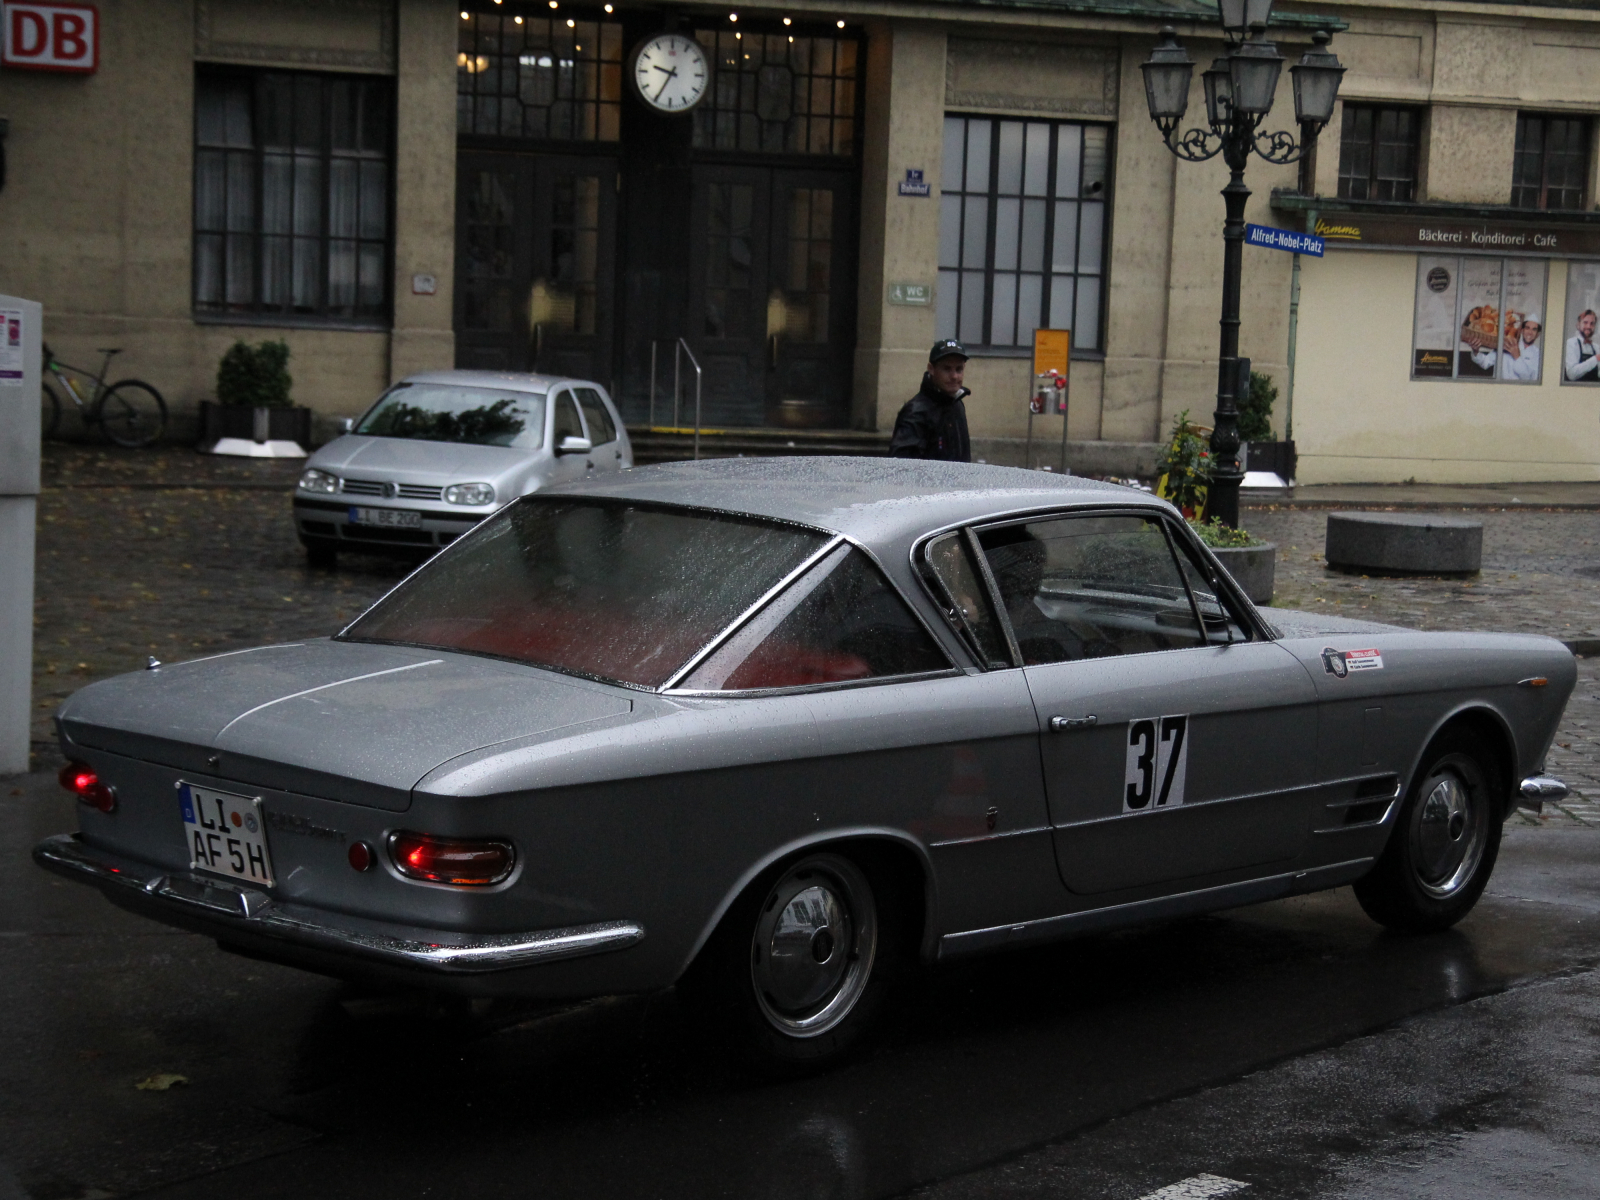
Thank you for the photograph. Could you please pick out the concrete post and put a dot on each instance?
(20, 368)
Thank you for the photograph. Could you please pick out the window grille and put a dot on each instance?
(1378, 152)
(778, 93)
(553, 78)
(1022, 221)
(292, 195)
(1551, 163)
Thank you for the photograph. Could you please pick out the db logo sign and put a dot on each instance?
(48, 36)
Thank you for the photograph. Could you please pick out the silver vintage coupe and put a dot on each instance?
(441, 450)
(777, 729)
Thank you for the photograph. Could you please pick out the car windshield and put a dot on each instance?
(621, 591)
(449, 412)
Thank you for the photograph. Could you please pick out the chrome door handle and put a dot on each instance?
(1062, 724)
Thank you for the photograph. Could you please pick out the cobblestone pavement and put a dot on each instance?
(1541, 574)
(176, 554)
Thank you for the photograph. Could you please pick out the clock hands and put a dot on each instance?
(671, 75)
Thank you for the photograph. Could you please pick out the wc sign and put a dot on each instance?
(44, 35)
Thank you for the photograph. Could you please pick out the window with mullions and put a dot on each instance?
(1551, 163)
(538, 77)
(291, 195)
(1022, 230)
(1378, 153)
(778, 93)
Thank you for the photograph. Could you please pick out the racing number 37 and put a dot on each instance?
(1158, 757)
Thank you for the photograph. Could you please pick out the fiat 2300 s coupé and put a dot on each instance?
(785, 727)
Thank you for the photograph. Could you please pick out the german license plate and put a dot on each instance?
(392, 518)
(227, 834)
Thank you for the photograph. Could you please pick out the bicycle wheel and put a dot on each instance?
(133, 414)
(49, 411)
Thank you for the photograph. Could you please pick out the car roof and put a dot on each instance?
(877, 501)
(515, 381)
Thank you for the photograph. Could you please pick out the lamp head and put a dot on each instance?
(1167, 74)
(1316, 80)
(1219, 93)
(1240, 15)
(1253, 68)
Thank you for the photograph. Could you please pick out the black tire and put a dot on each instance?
(132, 414)
(802, 966)
(1445, 840)
(322, 556)
(49, 412)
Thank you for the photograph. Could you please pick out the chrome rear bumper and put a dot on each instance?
(1533, 791)
(254, 913)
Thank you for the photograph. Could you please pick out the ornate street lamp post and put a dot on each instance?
(1239, 89)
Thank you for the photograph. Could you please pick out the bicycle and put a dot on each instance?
(129, 412)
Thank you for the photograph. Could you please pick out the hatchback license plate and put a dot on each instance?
(227, 834)
(392, 518)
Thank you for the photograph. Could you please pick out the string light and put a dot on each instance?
(518, 20)
(786, 21)
(464, 17)
(608, 8)
(791, 37)
(738, 37)
(570, 22)
(840, 24)
(733, 16)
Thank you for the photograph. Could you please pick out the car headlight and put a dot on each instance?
(314, 480)
(470, 493)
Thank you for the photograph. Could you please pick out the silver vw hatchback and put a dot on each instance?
(441, 450)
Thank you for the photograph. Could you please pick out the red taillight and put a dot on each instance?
(475, 862)
(80, 779)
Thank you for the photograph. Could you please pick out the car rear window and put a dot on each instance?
(448, 412)
(838, 623)
(621, 591)
(601, 428)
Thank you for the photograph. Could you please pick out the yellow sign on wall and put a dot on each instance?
(1052, 348)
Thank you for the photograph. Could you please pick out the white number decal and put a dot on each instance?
(1158, 759)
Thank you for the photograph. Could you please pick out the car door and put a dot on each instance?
(1175, 746)
(607, 453)
(564, 423)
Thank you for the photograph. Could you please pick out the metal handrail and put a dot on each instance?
(679, 348)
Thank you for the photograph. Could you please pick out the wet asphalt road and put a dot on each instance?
(1290, 1046)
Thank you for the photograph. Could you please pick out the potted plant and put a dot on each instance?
(253, 413)
(1183, 472)
(1251, 561)
(1261, 451)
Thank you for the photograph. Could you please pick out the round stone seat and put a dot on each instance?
(1386, 543)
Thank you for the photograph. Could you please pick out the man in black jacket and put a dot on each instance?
(933, 423)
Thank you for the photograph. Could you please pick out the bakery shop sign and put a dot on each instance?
(1353, 230)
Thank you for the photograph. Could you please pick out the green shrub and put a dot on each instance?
(1255, 410)
(255, 376)
(1221, 537)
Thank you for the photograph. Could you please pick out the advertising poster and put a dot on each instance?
(1434, 344)
(10, 347)
(1478, 351)
(1579, 361)
(1522, 323)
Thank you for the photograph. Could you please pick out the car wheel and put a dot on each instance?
(805, 963)
(1444, 843)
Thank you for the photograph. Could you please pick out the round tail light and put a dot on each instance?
(79, 779)
(463, 862)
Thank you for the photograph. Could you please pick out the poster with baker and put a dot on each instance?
(1580, 363)
(1479, 337)
(1522, 322)
(1433, 345)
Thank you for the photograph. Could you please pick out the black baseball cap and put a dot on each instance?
(945, 347)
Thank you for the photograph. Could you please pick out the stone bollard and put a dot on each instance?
(1404, 543)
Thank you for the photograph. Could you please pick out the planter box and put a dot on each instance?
(1252, 568)
(256, 425)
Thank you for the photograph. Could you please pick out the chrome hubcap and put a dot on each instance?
(814, 946)
(1447, 835)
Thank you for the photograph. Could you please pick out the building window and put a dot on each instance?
(778, 94)
(1378, 152)
(1551, 165)
(1022, 230)
(538, 77)
(291, 195)
(1479, 318)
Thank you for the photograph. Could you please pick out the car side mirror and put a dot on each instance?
(574, 445)
(347, 424)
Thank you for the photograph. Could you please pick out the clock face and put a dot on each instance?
(670, 72)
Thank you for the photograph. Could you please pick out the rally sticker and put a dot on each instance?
(1158, 759)
(1340, 663)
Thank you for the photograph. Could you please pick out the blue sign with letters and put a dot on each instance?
(1283, 239)
(914, 184)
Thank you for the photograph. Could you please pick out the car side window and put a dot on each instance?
(839, 622)
(601, 427)
(1222, 624)
(962, 594)
(567, 423)
(1090, 587)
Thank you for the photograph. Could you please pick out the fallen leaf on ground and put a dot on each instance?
(161, 1083)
